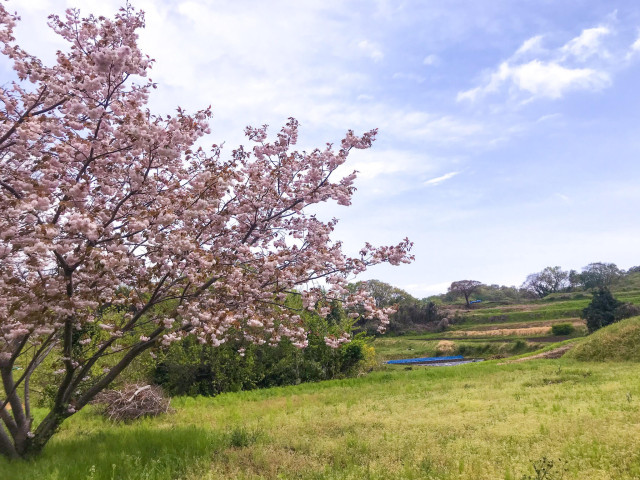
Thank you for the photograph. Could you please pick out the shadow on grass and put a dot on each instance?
(121, 452)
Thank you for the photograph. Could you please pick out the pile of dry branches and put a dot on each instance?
(133, 401)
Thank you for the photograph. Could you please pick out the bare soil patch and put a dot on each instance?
(551, 354)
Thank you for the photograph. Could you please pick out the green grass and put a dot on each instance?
(478, 421)
(553, 307)
(617, 342)
(390, 348)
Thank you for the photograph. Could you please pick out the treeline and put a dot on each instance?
(435, 312)
(550, 280)
(412, 314)
(593, 276)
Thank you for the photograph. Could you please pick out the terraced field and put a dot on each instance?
(491, 331)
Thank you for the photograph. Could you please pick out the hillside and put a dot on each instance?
(492, 330)
(617, 342)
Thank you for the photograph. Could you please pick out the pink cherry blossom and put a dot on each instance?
(114, 216)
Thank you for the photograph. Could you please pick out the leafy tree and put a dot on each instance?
(575, 280)
(600, 275)
(550, 280)
(104, 203)
(411, 313)
(603, 310)
(465, 288)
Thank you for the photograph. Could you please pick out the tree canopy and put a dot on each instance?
(119, 234)
(550, 280)
(465, 288)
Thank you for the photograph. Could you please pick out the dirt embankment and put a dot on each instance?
(555, 353)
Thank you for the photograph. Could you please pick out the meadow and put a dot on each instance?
(476, 421)
(576, 417)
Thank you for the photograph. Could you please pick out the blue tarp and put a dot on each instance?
(427, 359)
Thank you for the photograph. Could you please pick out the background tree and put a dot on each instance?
(411, 313)
(575, 280)
(600, 275)
(550, 280)
(465, 288)
(602, 311)
(103, 203)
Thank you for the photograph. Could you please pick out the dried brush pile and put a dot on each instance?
(133, 401)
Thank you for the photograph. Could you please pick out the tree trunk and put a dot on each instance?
(34, 445)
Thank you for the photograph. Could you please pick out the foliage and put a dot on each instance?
(603, 310)
(563, 329)
(104, 203)
(549, 280)
(599, 275)
(465, 288)
(411, 314)
(191, 368)
(547, 469)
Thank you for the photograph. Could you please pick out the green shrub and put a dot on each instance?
(519, 345)
(604, 310)
(189, 368)
(563, 329)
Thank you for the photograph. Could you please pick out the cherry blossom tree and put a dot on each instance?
(118, 234)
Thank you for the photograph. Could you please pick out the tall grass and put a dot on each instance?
(478, 421)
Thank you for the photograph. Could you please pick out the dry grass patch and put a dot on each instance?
(503, 332)
(445, 346)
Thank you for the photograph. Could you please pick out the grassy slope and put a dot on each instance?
(617, 342)
(472, 336)
(478, 421)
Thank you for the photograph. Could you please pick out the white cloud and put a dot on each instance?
(408, 76)
(587, 44)
(439, 180)
(531, 45)
(552, 80)
(425, 289)
(372, 50)
(550, 73)
(431, 60)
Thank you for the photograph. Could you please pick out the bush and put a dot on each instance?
(604, 310)
(188, 368)
(563, 329)
(519, 346)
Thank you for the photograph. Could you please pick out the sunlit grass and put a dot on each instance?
(479, 421)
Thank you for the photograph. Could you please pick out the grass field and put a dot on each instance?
(477, 421)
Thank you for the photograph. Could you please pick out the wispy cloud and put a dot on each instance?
(587, 44)
(533, 71)
(431, 60)
(442, 178)
(408, 76)
(370, 49)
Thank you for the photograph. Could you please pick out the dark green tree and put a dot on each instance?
(603, 310)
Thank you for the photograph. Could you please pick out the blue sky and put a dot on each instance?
(508, 129)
